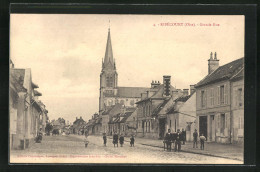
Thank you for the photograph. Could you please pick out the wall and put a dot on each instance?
(237, 112)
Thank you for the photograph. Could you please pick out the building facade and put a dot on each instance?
(217, 114)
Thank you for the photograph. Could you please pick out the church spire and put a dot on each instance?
(109, 61)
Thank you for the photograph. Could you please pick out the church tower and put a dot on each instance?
(108, 76)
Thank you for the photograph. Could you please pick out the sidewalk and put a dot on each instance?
(229, 151)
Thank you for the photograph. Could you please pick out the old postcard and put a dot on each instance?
(155, 89)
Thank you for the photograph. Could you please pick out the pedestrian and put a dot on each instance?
(132, 141)
(183, 133)
(86, 140)
(115, 139)
(202, 140)
(105, 139)
(167, 140)
(178, 141)
(195, 139)
(121, 139)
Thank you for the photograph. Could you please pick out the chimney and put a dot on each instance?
(155, 84)
(80, 117)
(166, 85)
(185, 92)
(76, 118)
(213, 64)
(192, 89)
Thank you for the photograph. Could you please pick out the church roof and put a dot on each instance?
(224, 72)
(131, 92)
(109, 61)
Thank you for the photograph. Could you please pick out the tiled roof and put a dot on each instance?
(183, 98)
(160, 106)
(223, 72)
(131, 92)
(127, 114)
(17, 79)
(240, 74)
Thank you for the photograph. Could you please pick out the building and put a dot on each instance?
(153, 107)
(26, 111)
(77, 126)
(118, 122)
(110, 92)
(107, 117)
(131, 124)
(220, 101)
(183, 115)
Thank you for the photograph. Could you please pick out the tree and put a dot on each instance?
(48, 128)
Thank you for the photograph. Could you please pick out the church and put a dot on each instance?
(110, 92)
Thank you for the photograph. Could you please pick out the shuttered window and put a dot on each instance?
(225, 94)
(218, 95)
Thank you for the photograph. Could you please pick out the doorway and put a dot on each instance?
(162, 123)
(203, 125)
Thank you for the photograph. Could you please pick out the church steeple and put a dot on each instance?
(109, 61)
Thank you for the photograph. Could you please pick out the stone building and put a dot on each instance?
(153, 107)
(26, 111)
(219, 97)
(110, 92)
(183, 115)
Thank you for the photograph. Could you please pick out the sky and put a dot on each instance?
(65, 51)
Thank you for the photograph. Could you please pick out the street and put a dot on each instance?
(70, 149)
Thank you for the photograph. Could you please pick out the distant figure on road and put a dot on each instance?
(121, 139)
(202, 140)
(105, 139)
(183, 134)
(195, 139)
(38, 138)
(178, 141)
(132, 141)
(115, 139)
(86, 140)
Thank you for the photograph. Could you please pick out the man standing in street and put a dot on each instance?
(183, 134)
(178, 141)
(121, 139)
(195, 138)
(202, 140)
(167, 140)
(105, 139)
(115, 139)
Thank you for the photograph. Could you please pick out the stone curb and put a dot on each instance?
(186, 151)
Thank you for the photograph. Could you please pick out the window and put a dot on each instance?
(175, 125)
(109, 81)
(149, 126)
(132, 103)
(239, 97)
(143, 110)
(170, 123)
(211, 97)
(145, 126)
(133, 118)
(203, 98)
(122, 102)
(221, 94)
(223, 122)
(240, 123)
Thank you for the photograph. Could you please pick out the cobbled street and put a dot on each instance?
(71, 149)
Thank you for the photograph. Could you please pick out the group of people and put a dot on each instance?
(195, 140)
(121, 140)
(176, 138)
(180, 137)
(115, 140)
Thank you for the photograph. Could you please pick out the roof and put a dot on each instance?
(37, 93)
(131, 92)
(223, 72)
(183, 98)
(239, 75)
(17, 79)
(160, 106)
(127, 114)
(34, 85)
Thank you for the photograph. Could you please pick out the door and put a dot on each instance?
(203, 125)
(162, 122)
(212, 128)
